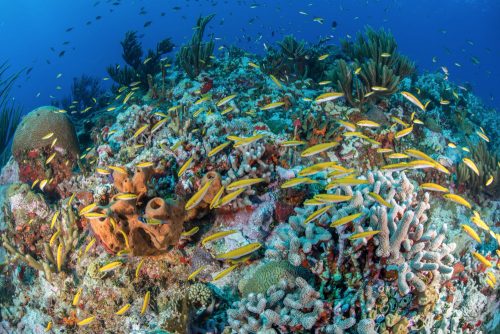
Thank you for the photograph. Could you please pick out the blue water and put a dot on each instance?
(453, 31)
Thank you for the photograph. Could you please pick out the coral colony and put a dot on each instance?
(310, 190)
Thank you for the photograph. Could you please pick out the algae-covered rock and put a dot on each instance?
(270, 274)
(40, 122)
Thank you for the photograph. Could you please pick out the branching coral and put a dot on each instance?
(292, 305)
(194, 57)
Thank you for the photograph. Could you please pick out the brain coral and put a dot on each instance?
(270, 274)
(40, 122)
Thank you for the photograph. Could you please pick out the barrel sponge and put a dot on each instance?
(269, 274)
(40, 122)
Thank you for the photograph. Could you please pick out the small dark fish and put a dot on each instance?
(52, 49)
(98, 17)
(47, 61)
(88, 23)
(162, 14)
(28, 71)
(141, 36)
(96, 3)
(334, 24)
(147, 23)
(69, 29)
(176, 8)
(66, 42)
(62, 53)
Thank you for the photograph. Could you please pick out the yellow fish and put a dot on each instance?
(379, 89)
(59, 256)
(191, 232)
(102, 171)
(195, 273)
(48, 327)
(144, 164)
(224, 272)
(272, 105)
(346, 219)
(357, 71)
(483, 136)
(404, 132)
(276, 81)
(126, 197)
(289, 143)
(248, 141)
(325, 82)
(332, 198)
(118, 169)
(253, 65)
(434, 187)
(385, 55)
(110, 266)
(85, 321)
(398, 156)
(365, 234)
(54, 237)
(410, 97)
(227, 110)
(127, 97)
(379, 199)
(76, 298)
(348, 125)
(198, 196)
(482, 259)
(203, 99)
(48, 136)
(158, 125)
(367, 123)
(314, 169)
(140, 130)
(471, 165)
(145, 302)
(328, 97)
(50, 158)
(458, 199)
(345, 181)
(243, 183)
(216, 198)
(470, 231)
(296, 182)
(185, 166)
(323, 57)
(54, 219)
(229, 197)
(318, 149)
(489, 181)
(225, 100)
(123, 310)
(239, 252)
(318, 213)
(138, 269)
(218, 148)
(217, 236)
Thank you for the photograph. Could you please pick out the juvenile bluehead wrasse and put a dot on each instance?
(59, 256)
(85, 321)
(123, 310)
(239, 252)
(346, 219)
(323, 57)
(458, 199)
(243, 183)
(289, 143)
(316, 168)
(217, 236)
(434, 187)
(367, 123)
(276, 81)
(127, 97)
(253, 65)
(379, 199)
(489, 181)
(72, 197)
(272, 105)
(42, 184)
(110, 266)
(398, 156)
(378, 88)
(89, 245)
(76, 298)
(48, 327)
(198, 196)
(328, 97)
(54, 237)
(50, 158)
(158, 125)
(185, 166)
(54, 219)
(483, 136)
(87, 209)
(318, 149)
(94, 215)
(48, 135)
(224, 272)
(140, 130)
(482, 259)
(410, 97)
(404, 132)
(325, 82)
(102, 171)
(203, 99)
(33, 185)
(118, 169)
(138, 269)
(216, 198)
(125, 197)
(144, 164)
(195, 273)
(470, 231)
(357, 71)
(227, 110)
(471, 165)
(345, 181)
(297, 181)
(385, 55)
(229, 197)
(361, 235)
(145, 302)
(225, 100)
(318, 213)
(248, 141)
(332, 198)
(348, 125)
(191, 232)
(218, 148)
